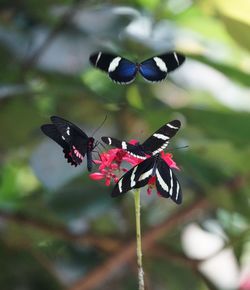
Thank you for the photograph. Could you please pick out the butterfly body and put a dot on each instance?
(75, 143)
(124, 71)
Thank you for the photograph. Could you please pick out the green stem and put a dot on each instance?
(138, 238)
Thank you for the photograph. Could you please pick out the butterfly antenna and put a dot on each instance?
(102, 145)
(100, 125)
(181, 147)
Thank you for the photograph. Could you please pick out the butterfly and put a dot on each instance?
(166, 183)
(123, 71)
(154, 166)
(73, 140)
(152, 146)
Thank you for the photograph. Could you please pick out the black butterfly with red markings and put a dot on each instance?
(124, 71)
(75, 143)
(152, 146)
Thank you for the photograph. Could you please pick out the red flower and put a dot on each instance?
(110, 167)
(167, 157)
(110, 164)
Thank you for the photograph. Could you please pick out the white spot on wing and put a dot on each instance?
(109, 140)
(98, 58)
(124, 145)
(120, 185)
(132, 181)
(160, 63)
(68, 130)
(146, 174)
(137, 156)
(160, 149)
(176, 58)
(114, 64)
(177, 190)
(172, 127)
(160, 136)
(161, 181)
(171, 182)
(63, 137)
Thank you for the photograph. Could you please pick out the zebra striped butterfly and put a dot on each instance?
(152, 146)
(153, 166)
(167, 185)
(123, 71)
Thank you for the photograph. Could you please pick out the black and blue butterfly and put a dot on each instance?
(123, 71)
(154, 165)
(75, 143)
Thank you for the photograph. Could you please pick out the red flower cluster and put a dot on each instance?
(111, 165)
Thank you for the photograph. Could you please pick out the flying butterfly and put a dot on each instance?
(75, 143)
(152, 146)
(123, 71)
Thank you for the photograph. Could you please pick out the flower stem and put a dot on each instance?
(138, 239)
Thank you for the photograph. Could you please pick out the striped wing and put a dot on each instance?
(134, 150)
(160, 139)
(156, 69)
(167, 184)
(136, 177)
(120, 70)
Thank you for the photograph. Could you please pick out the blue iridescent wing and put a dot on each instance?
(120, 70)
(156, 69)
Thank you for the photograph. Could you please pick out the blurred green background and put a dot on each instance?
(61, 230)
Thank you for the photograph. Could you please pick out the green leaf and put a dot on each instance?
(238, 30)
(134, 97)
(235, 15)
(230, 126)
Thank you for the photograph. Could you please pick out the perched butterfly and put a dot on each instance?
(73, 140)
(166, 182)
(154, 166)
(123, 71)
(152, 146)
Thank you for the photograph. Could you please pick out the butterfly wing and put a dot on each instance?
(134, 150)
(51, 131)
(166, 182)
(155, 69)
(120, 70)
(160, 139)
(136, 177)
(73, 136)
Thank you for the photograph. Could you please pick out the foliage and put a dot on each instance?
(57, 226)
